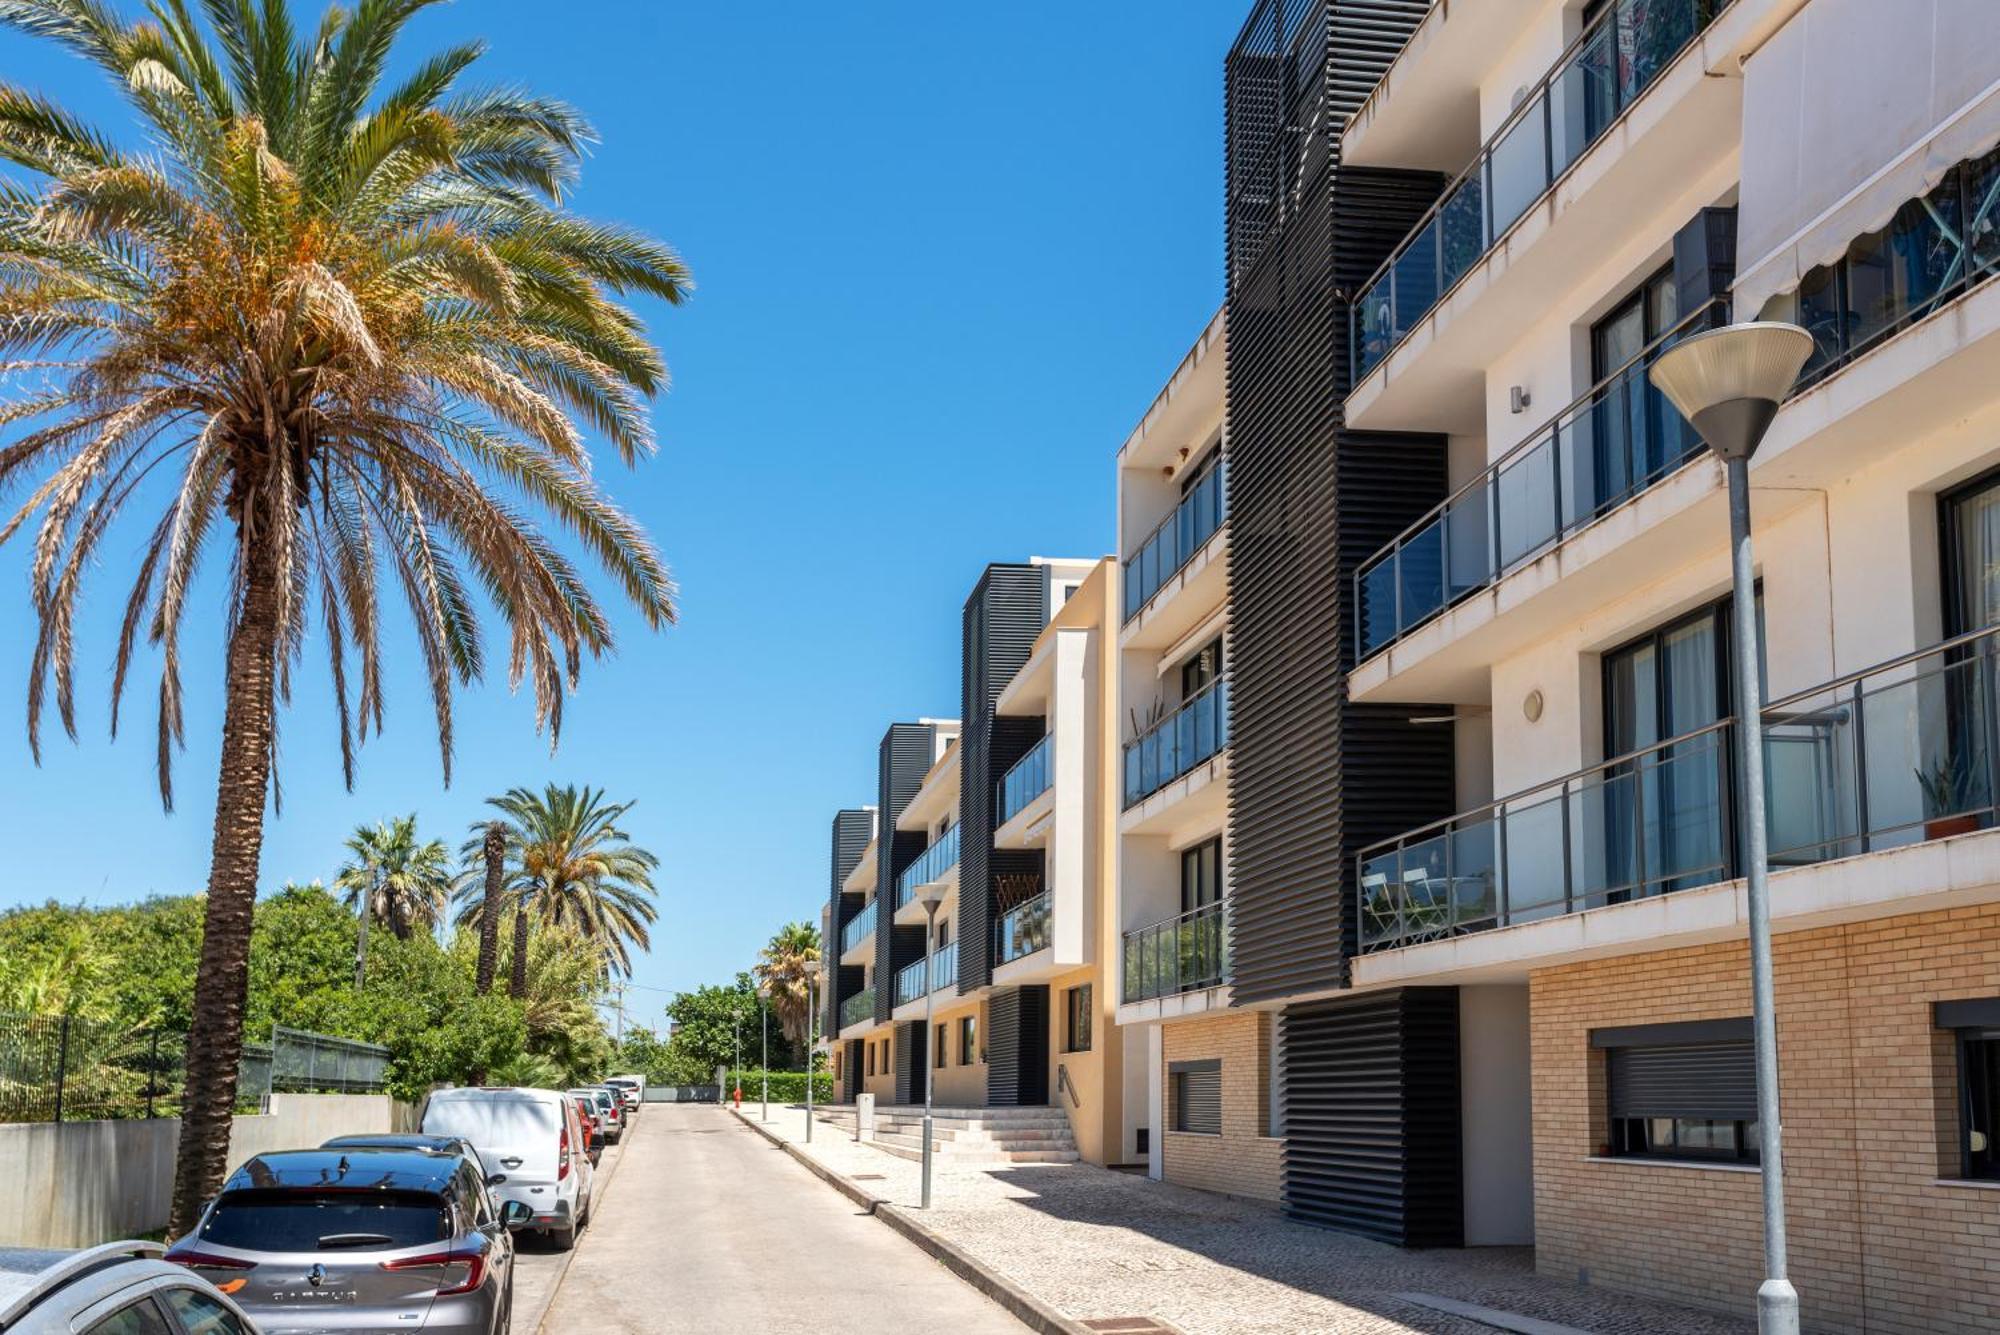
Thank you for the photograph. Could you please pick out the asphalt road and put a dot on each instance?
(709, 1227)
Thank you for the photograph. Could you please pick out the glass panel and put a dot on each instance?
(1518, 169)
(1818, 312)
(1468, 541)
(1417, 277)
(1378, 604)
(1462, 228)
(1589, 94)
(1975, 525)
(1420, 566)
(1534, 872)
(1527, 503)
(1378, 332)
(1982, 211)
(1895, 274)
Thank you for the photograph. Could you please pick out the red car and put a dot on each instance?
(593, 1126)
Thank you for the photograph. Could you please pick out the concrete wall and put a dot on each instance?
(1497, 1123)
(74, 1184)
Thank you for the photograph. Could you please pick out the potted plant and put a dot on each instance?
(1953, 797)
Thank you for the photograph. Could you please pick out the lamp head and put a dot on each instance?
(931, 896)
(1729, 382)
(810, 968)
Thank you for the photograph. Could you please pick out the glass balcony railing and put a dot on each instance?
(1022, 931)
(910, 978)
(931, 865)
(858, 1008)
(1182, 954)
(1618, 438)
(860, 927)
(1027, 780)
(1604, 71)
(1185, 738)
(1899, 753)
(1174, 543)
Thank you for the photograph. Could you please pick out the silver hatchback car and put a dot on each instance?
(359, 1241)
(122, 1288)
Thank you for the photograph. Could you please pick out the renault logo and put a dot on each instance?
(316, 1276)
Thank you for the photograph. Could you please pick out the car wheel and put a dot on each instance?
(564, 1238)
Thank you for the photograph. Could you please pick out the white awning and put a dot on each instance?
(1849, 110)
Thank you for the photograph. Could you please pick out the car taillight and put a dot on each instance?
(562, 1155)
(195, 1260)
(463, 1270)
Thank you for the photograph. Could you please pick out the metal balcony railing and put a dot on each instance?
(931, 865)
(1026, 780)
(910, 981)
(1183, 739)
(1022, 931)
(858, 1008)
(1183, 954)
(1169, 547)
(1617, 439)
(1594, 82)
(860, 927)
(1902, 752)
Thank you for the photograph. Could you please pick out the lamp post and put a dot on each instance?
(931, 896)
(1728, 383)
(812, 1040)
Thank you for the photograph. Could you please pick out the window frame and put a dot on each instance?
(941, 1041)
(1629, 1131)
(1178, 1075)
(1974, 1022)
(968, 1039)
(1078, 1003)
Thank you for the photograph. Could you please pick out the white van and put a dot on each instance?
(532, 1146)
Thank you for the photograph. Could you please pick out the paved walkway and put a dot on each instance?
(1097, 1244)
(711, 1228)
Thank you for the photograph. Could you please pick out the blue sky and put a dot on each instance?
(945, 256)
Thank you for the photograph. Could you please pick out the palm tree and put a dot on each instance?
(781, 973)
(333, 332)
(493, 858)
(569, 864)
(391, 878)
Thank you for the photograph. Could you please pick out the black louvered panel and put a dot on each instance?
(850, 1071)
(1017, 1047)
(904, 757)
(910, 1058)
(1002, 617)
(852, 829)
(1196, 1090)
(1371, 1096)
(1708, 1080)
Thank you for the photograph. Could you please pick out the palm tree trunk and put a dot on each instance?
(361, 941)
(221, 985)
(489, 909)
(517, 985)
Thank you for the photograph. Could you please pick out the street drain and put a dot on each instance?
(869, 1177)
(1131, 1325)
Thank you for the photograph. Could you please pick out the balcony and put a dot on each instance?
(910, 978)
(1195, 732)
(1027, 779)
(858, 1009)
(1617, 439)
(1183, 954)
(1597, 79)
(1179, 537)
(858, 929)
(930, 866)
(1022, 931)
(1900, 753)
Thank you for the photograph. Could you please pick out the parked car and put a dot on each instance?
(122, 1288)
(608, 1109)
(533, 1147)
(405, 1140)
(593, 1125)
(631, 1087)
(371, 1239)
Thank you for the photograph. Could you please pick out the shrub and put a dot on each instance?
(786, 1086)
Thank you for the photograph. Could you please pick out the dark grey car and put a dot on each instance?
(359, 1241)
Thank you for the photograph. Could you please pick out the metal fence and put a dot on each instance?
(64, 1068)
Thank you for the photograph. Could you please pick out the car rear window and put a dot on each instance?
(316, 1221)
(487, 1122)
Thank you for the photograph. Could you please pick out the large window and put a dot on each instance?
(1201, 875)
(1195, 1089)
(1681, 1091)
(1977, 1031)
(1634, 436)
(1972, 556)
(968, 1040)
(943, 1048)
(1076, 1019)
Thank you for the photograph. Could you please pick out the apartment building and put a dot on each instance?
(1561, 956)
(1009, 817)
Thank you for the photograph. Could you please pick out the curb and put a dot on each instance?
(598, 1190)
(1031, 1311)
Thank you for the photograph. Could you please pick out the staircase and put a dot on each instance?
(975, 1137)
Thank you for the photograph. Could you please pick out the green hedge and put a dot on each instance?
(786, 1086)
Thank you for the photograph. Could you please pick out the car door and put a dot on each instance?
(483, 1216)
(124, 1314)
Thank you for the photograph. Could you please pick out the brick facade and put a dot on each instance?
(1881, 1239)
(1243, 1160)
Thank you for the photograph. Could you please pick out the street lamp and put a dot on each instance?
(811, 969)
(1729, 383)
(931, 896)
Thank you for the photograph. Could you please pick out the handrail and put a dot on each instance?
(1009, 805)
(1063, 1082)
(1199, 937)
(1170, 759)
(1492, 230)
(853, 932)
(1022, 930)
(859, 1007)
(929, 865)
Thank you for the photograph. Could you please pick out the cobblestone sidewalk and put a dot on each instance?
(1099, 1244)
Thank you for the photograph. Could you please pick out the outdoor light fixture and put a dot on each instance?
(811, 971)
(931, 896)
(1729, 383)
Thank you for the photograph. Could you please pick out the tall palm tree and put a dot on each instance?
(328, 332)
(781, 973)
(392, 879)
(572, 865)
(493, 858)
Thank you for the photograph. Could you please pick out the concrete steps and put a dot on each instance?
(971, 1136)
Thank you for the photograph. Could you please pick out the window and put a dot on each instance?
(1978, 1032)
(1201, 669)
(200, 1314)
(1635, 437)
(140, 1318)
(968, 1037)
(1201, 875)
(943, 933)
(1681, 1091)
(1076, 1019)
(942, 1049)
(1972, 556)
(871, 1059)
(309, 1220)
(836, 1063)
(1195, 1089)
